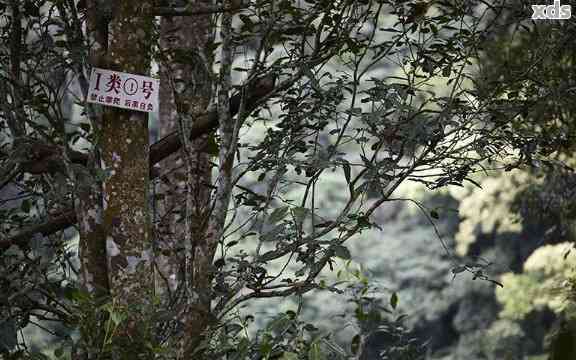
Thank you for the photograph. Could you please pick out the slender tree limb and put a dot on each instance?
(66, 219)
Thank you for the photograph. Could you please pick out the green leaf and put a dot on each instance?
(496, 283)
(310, 328)
(315, 352)
(58, 352)
(301, 271)
(270, 255)
(116, 318)
(278, 214)
(347, 171)
(265, 348)
(401, 318)
(85, 126)
(355, 111)
(355, 344)
(273, 233)
(37, 356)
(299, 214)
(473, 182)
(458, 269)
(248, 23)
(289, 356)
(25, 206)
(212, 147)
(342, 252)
(394, 300)
(234, 328)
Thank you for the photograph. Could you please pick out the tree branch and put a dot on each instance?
(66, 219)
(185, 11)
(260, 88)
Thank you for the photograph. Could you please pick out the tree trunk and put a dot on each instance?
(115, 241)
(183, 188)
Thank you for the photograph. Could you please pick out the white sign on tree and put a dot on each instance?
(123, 90)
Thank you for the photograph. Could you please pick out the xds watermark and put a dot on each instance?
(552, 12)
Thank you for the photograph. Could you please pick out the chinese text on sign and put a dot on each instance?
(123, 90)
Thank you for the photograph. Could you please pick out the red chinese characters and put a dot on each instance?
(118, 89)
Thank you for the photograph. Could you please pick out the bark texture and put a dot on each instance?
(183, 188)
